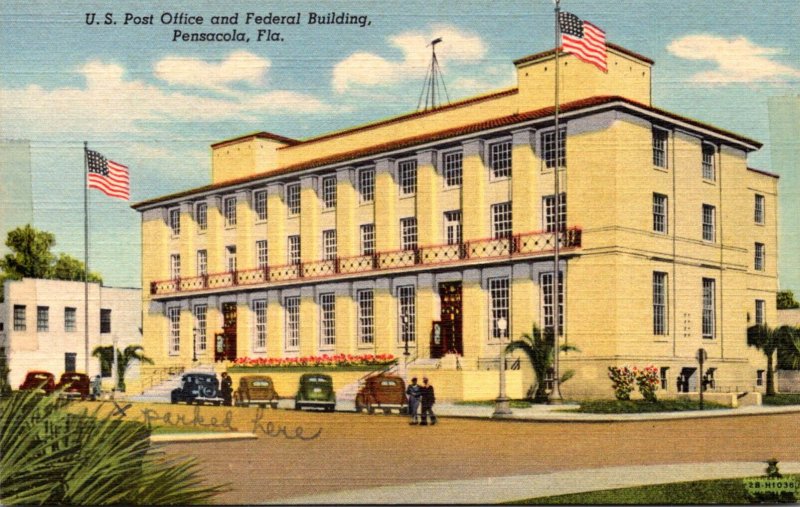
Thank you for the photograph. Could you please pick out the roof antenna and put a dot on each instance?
(433, 76)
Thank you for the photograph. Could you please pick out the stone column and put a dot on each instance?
(525, 200)
(429, 185)
(473, 191)
(310, 233)
(387, 235)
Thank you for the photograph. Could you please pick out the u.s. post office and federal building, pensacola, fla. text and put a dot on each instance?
(232, 27)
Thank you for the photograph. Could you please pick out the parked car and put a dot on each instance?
(256, 389)
(197, 388)
(383, 391)
(43, 381)
(316, 390)
(74, 385)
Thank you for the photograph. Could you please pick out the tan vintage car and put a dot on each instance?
(383, 392)
(256, 390)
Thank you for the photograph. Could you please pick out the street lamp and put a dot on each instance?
(404, 320)
(194, 345)
(501, 406)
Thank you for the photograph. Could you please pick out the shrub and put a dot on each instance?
(647, 380)
(622, 380)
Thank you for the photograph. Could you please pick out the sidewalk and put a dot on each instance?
(495, 490)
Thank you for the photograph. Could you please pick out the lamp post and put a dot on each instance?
(115, 366)
(194, 345)
(501, 406)
(404, 320)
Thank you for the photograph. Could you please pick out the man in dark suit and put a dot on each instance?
(428, 398)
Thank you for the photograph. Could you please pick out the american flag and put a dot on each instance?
(108, 176)
(583, 40)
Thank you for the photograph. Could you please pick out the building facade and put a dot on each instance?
(436, 229)
(42, 325)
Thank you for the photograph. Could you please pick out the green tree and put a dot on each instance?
(30, 253)
(67, 267)
(539, 347)
(125, 359)
(768, 340)
(789, 349)
(786, 300)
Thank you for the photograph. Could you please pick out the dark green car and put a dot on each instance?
(316, 390)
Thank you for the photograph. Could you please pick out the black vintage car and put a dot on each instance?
(197, 388)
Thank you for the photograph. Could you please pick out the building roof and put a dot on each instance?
(615, 47)
(256, 135)
(765, 173)
(502, 121)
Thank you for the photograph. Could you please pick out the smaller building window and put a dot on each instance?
(709, 308)
(709, 223)
(367, 239)
(761, 308)
(501, 220)
(105, 320)
(175, 221)
(329, 192)
(174, 317)
(759, 377)
(366, 184)
(327, 317)
(549, 212)
(260, 205)
(499, 307)
(452, 227)
(260, 335)
(407, 175)
(294, 249)
(262, 254)
(759, 210)
(200, 326)
(452, 162)
(201, 216)
(70, 319)
(407, 309)
(660, 213)
(660, 148)
(659, 304)
(664, 374)
(292, 308)
(293, 198)
(500, 159)
(549, 153)
(760, 257)
(366, 317)
(229, 210)
(175, 266)
(408, 233)
(329, 244)
(19, 318)
(230, 258)
(42, 318)
(202, 262)
(709, 172)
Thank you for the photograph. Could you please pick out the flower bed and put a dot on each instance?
(325, 361)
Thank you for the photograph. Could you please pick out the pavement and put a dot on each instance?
(518, 487)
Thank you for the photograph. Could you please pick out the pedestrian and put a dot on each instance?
(227, 389)
(96, 387)
(413, 392)
(428, 398)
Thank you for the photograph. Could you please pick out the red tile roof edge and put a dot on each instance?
(611, 45)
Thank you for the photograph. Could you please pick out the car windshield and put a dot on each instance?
(260, 383)
(321, 380)
(40, 376)
(388, 383)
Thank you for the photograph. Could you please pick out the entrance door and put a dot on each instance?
(226, 342)
(687, 381)
(450, 325)
(69, 361)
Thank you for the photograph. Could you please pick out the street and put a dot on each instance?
(306, 453)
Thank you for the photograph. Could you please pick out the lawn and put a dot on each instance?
(720, 491)
(782, 399)
(641, 406)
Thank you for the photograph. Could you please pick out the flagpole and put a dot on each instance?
(555, 394)
(86, 257)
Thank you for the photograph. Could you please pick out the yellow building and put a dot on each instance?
(446, 216)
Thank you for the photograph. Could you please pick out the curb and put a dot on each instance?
(166, 438)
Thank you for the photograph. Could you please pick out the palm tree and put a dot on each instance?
(539, 347)
(789, 350)
(124, 360)
(768, 340)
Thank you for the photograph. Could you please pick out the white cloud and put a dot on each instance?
(738, 60)
(369, 69)
(238, 67)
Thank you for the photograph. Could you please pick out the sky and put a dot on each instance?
(156, 104)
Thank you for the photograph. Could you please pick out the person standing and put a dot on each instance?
(413, 392)
(227, 389)
(428, 398)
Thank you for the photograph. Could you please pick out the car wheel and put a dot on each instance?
(274, 404)
(387, 411)
(297, 406)
(173, 399)
(370, 409)
(262, 405)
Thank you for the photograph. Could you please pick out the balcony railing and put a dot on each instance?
(520, 245)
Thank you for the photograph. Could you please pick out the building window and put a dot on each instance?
(759, 210)
(229, 210)
(366, 317)
(293, 198)
(105, 320)
(70, 319)
(408, 233)
(501, 220)
(500, 159)
(366, 184)
(660, 148)
(294, 249)
(329, 192)
(452, 168)
(407, 307)
(546, 284)
(709, 220)
(262, 254)
(498, 306)
(759, 377)
(452, 227)
(761, 308)
(708, 162)
(175, 266)
(367, 239)
(260, 205)
(202, 262)
(549, 212)
(174, 316)
(663, 374)
(200, 313)
(407, 175)
(230, 258)
(549, 148)
(201, 216)
(19, 318)
(329, 244)
(292, 307)
(175, 221)
(327, 317)
(709, 308)
(660, 213)
(760, 255)
(260, 337)
(659, 303)
(42, 318)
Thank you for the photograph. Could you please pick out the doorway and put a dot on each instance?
(225, 347)
(446, 337)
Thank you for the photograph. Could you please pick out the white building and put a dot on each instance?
(42, 325)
